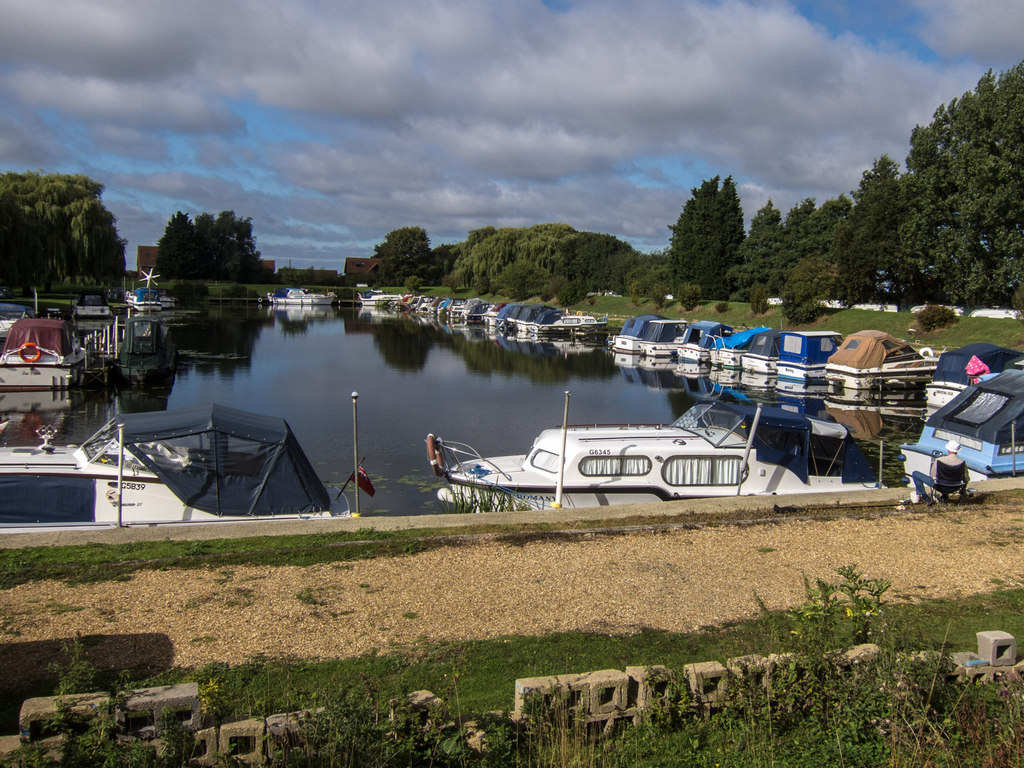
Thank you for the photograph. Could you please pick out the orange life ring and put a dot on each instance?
(30, 359)
(435, 455)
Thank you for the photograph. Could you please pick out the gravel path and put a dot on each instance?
(677, 580)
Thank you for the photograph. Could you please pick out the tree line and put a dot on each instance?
(948, 229)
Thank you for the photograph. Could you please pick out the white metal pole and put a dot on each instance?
(120, 471)
(355, 450)
(744, 470)
(561, 456)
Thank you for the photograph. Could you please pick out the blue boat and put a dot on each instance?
(987, 419)
(696, 344)
(803, 354)
(728, 351)
(951, 376)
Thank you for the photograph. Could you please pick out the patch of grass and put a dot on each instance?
(765, 550)
(307, 596)
(410, 615)
(58, 609)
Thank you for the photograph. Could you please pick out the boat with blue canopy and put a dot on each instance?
(803, 355)
(958, 368)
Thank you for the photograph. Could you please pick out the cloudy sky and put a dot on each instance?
(331, 123)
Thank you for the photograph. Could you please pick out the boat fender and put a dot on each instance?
(927, 352)
(435, 456)
(29, 352)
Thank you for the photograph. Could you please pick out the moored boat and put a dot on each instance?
(698, 341)
(198, 465)
(300, 297)
(144, 300)
(716, 448)
(376, 298)
(958, 368)
(91, 305)
(147, 354)
(987, 419)
(803, 355)
(41, 353)
(727, 351)
(762, 355)
(628, 339)
(9, 313)
(661, 339)
(876, 360)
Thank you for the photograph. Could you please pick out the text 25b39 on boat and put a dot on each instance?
(714, 449)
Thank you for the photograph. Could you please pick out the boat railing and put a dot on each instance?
(462, 452)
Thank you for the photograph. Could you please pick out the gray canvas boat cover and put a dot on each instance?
(226, 461)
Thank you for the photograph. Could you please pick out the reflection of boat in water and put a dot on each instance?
(952, 374)
(199, 465)
(757, 381)
(41, 353)
(987, 419)
(716, 448)
(879, 362)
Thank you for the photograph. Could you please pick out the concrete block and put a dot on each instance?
(206, 750)
(285, 729)
(243, 741)
(997, 648)
(146, 709)
(707, 681)
(570, 691)
(649, 686)
(861, 654)
(608, 692)
(36, 712)
(753, 666)
(9, 744)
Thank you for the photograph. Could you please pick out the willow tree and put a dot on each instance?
(55, 228)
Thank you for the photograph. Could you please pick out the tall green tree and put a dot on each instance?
(54, 227)
(178, 250)
(404, 253)
(761, 255)
(867, 250)
(209, 248)
(965, 224)
(706, 238)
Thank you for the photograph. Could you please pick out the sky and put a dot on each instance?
(330, 123)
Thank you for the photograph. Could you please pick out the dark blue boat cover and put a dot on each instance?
(952, 364)
(992, 410)
(226, 461)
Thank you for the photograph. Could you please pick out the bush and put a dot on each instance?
(935, 316)
(722, 307)
(658, 295)
(413, 284)
(553, 288)
(759, 300)
(688, 296)
(482, 285)
(572, 293)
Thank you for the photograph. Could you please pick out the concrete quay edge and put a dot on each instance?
(687, 510)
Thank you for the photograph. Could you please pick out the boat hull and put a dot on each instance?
(33, 377)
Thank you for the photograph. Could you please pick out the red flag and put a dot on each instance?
(363, 482)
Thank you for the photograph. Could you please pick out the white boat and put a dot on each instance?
(661, 339)
(803, 355)
(91, 305)
(198, 465)
(300, 297)
(376, 298)
(628, 339)
(959, 368)
(41, 353)
(144, 300)
(9, 314)
(728, 351)
(699, 339)
(556, 323)
(716, 448)
(762, 355)
(878, 361)
(987, 419)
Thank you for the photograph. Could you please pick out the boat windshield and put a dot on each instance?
(721, 427)
(103, 443)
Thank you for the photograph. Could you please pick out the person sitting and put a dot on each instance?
(949, 474)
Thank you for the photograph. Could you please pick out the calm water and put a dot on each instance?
(412, 378)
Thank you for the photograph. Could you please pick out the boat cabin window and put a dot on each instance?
(545, 460)
(701, 470)
(614, 466)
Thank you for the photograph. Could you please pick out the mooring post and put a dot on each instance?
(355, 450)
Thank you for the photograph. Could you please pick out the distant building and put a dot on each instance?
(145, 258)
(269, 265)
(358, 266)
